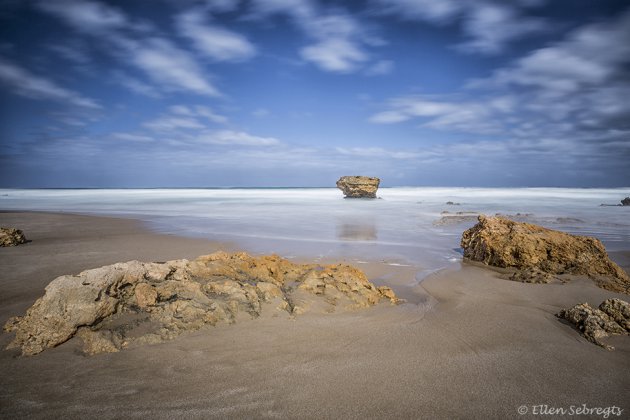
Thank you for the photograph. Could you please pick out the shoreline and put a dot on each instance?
(472, 345)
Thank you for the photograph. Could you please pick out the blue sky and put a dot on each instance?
(175, 93)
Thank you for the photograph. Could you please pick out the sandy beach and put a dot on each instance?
(467, 344)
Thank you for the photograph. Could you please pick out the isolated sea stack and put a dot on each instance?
(358, 186)
(537, 254)
(11, 237)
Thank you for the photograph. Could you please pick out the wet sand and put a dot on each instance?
(467, 345)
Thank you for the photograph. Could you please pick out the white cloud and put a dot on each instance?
(569, 97)
(198, 111)
(339, 39)
(335, 54)
(167, 64)
(132, 137)
(27, 84)
(261, 112)
(212, 40)
(431, 10)
(489, 26)
(589, 56)
(169, 123)
(492, 26)
(298, 9)
(85, 15)
(185, 120)
(237, 138)
(135, 85)
(380, 68)
(380, 153)
(163, 61)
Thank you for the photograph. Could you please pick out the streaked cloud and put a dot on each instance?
(489, 26)
(575, 88)
(212, 40)
(171, 66)
(85, 15)
(236, 138)
(24, 83)
(145, 49)
(339, 39)
(199, 111)
(135, 85)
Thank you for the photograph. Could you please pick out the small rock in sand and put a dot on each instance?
(612, 318)
(11, 237)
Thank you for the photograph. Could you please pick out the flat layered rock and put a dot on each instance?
(358, 186)
(133, 303)
(531, 249)
(611, 318)
(11, 237)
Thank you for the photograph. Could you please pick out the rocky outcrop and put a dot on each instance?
(11, 237)
(612, 318)
(358, 186)
(625, 201)
(133, 303)
(500, 242)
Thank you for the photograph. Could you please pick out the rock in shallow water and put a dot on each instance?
(122, 304)
(11, 237)
(612, 318)
(358, 186)
(625, 201)
(499, 242)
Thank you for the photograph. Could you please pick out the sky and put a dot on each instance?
(236, 93)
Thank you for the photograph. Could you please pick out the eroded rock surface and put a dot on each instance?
(500, 242)
(122, 304)
(612, 318)
(11, 237)
(358, 186)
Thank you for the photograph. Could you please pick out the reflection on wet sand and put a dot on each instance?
(357, 231)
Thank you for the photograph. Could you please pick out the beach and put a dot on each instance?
(467, 344)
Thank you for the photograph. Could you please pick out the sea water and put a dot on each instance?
(401, 227)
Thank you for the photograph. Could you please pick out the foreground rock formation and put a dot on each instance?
(130, 303)
(538, 254)
(358, 186)
(11, 237)
(612, 318)
(625, 201)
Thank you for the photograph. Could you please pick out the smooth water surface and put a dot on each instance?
(402, 227)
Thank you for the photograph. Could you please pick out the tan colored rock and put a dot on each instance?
(135, 303)
(145, 295)
(358, 186)
(612, 318)
(11, 237)
(499, 242)
(95, 342)
(618, 310)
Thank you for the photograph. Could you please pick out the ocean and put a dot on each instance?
(405, 226)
